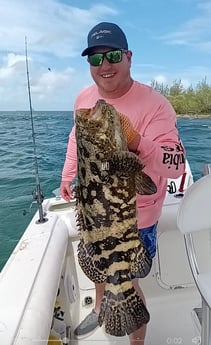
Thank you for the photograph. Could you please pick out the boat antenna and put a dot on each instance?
(38, 196)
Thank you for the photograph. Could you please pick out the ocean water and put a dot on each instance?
(17, 168)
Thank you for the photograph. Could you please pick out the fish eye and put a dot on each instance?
(97, 125)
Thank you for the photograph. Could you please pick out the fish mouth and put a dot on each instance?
(94, 118)
(96, 112)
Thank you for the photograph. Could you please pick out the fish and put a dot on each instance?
(110, 250)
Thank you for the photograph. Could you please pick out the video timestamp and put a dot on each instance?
(179, 340)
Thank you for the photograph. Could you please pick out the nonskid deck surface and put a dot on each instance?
(172, 320)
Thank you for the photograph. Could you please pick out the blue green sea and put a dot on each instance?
(17, 168)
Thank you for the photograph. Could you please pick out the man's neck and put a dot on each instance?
(118, 93)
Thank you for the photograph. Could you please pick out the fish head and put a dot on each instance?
(99, 124)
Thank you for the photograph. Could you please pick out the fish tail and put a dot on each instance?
(123, 313)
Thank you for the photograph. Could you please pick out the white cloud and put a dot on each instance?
(195, 32)
(50, 26)
(148, 65)
(185, 82)
(191, 75)
(56, 34)
(14, 60)
(48, 85)
(12, 65)
(161, 79)
(50, 81)
(5, 72)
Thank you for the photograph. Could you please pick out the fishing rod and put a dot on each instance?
(37, 194)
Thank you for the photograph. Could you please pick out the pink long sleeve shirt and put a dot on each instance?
(160, 149)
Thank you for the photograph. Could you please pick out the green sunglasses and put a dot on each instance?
(112, 56)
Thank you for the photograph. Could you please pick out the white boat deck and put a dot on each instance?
(172, 321)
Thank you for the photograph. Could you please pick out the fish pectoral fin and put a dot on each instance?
(144, 184)
(123, 163)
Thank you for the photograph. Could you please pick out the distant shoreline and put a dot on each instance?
(194, 116)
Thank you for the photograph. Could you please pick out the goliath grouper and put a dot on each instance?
(110, 249)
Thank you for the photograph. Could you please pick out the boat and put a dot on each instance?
(44, 294)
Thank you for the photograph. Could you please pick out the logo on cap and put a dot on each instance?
(100, 34)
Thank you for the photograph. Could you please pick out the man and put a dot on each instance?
(152, 127)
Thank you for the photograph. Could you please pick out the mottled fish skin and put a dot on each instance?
(110, 249)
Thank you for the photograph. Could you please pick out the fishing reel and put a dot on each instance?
(30, 208)
(38, 198)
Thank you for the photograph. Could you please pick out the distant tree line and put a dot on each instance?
(187, 101)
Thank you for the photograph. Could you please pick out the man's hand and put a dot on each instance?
(132, 136)
(65, 190)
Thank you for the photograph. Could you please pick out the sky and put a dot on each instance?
(170, 40)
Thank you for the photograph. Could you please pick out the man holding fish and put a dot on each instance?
(149, 124)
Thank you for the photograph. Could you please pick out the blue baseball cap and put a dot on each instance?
(106, 34)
